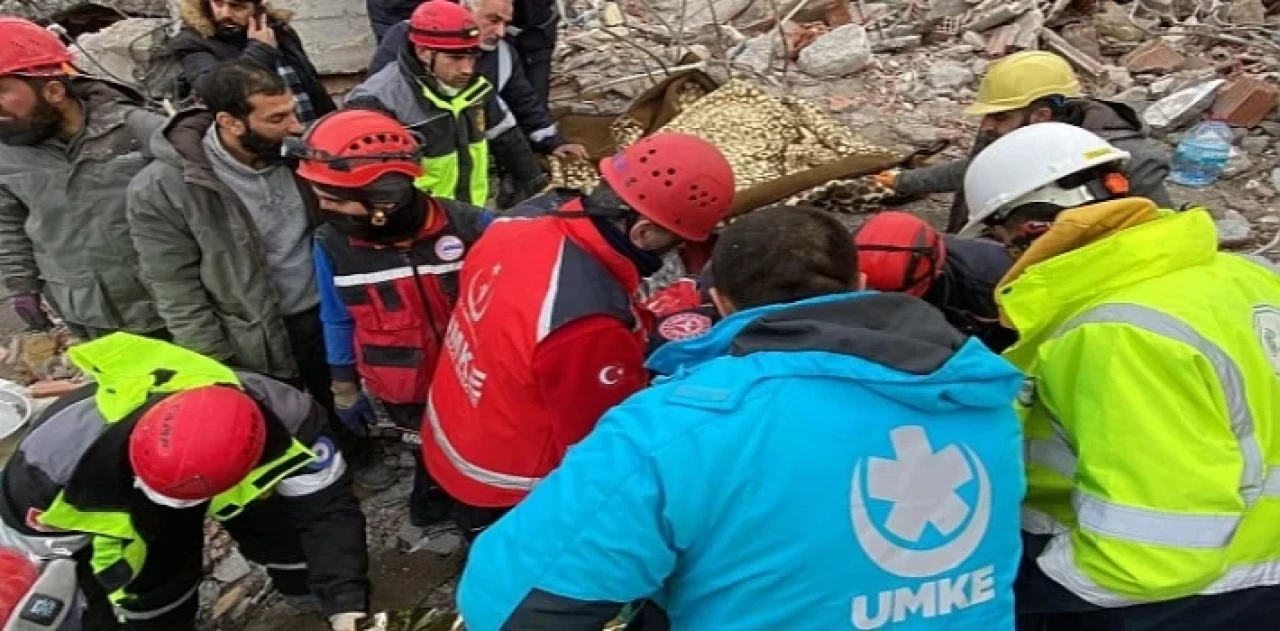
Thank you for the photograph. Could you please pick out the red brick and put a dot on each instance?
(1154, 56)
(1245, 102)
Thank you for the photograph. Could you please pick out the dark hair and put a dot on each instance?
(229, 87)
(783, 254)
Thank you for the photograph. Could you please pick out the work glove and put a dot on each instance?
(349, 621)
(352, 407)
(887, 179)
(28, 307)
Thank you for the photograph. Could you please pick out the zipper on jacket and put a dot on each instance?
(422, 295)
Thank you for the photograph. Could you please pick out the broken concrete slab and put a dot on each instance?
(1255, 144)
(130, 51)
(336, 33)
(949, 75)
(1082, 62)
(1181, 107)
(841, 52)
(56, 9)
(232, 568)
(1234, 229)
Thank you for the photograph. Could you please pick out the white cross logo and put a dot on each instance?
(921, 484)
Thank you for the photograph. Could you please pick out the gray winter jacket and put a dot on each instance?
(63, 229)
(202, 256)
(1115, 122)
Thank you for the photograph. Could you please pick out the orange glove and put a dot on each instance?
(887, 179)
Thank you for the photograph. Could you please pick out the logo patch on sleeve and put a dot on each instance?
(683, 326)
(324, 451)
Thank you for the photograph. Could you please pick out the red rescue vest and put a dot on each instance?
(487, 433)
(400, 297)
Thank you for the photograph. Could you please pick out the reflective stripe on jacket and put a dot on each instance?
(400, 297)
(488, 437)
(455, 162)
(79, 448)
(1152, 405)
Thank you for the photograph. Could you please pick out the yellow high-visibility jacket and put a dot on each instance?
(1152, 405)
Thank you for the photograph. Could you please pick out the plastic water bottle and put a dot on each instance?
(1202, 154)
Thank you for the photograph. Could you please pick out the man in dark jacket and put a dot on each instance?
(224, 229)
(518, 109)
(899, 252)
(121, 474)
(68, 147)
(535, 29)
(1035, 87)
(220, 30)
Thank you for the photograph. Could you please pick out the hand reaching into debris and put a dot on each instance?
(571, 150)
(260, 30)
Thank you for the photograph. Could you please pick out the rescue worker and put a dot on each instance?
(521, 121)
(387, 261)
(33, 598)
(824, 456)
(900, 252)
(435, 91)
(1153, 398)
(1034, 87)
(121, 474)
(69, 144)
(547, 335)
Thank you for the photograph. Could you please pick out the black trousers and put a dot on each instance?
(428, 503)
(166, 587)
(306, 340)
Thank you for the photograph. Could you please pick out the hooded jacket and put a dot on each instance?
(202, 256)
(1116, 123)
(848, 458)
(516, 104)
(200, 48)
(62, 214)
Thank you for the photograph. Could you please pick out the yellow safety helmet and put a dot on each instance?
(1021, 78)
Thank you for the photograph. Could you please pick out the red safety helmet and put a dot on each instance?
(899, 252)
(198, 443)
(28, 49)
(17, 574)
(353, 148)
(444, 26)
(680, 182)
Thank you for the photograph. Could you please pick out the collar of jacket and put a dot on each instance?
(415, 73)
(894, 330)
(195, 16)
(1095, 250)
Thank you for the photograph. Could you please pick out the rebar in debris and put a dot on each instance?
(642, 75)
(786, 50)
(679, 35)
(628, 41)
(724, 50)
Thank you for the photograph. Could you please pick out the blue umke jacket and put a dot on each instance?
(845, 462)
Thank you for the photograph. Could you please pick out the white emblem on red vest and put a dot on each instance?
(449, 248)
(683, 326)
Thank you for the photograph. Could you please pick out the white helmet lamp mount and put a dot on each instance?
(1027, 165)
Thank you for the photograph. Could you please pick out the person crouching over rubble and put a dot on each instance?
(1032, 87)
(1153, 400)
(547, 334)
(435, 91)
(121, 474)
(898, 251)
(824, 456)
(387, 261)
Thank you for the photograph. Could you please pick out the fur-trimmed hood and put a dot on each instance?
(195, 16)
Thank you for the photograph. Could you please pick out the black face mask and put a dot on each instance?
(42, 124)
(400, 222)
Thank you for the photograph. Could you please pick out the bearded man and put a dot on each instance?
(69, 145)
(223, 229)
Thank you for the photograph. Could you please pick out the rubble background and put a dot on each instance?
(897, 72)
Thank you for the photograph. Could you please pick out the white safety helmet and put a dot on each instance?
(1024, 165)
